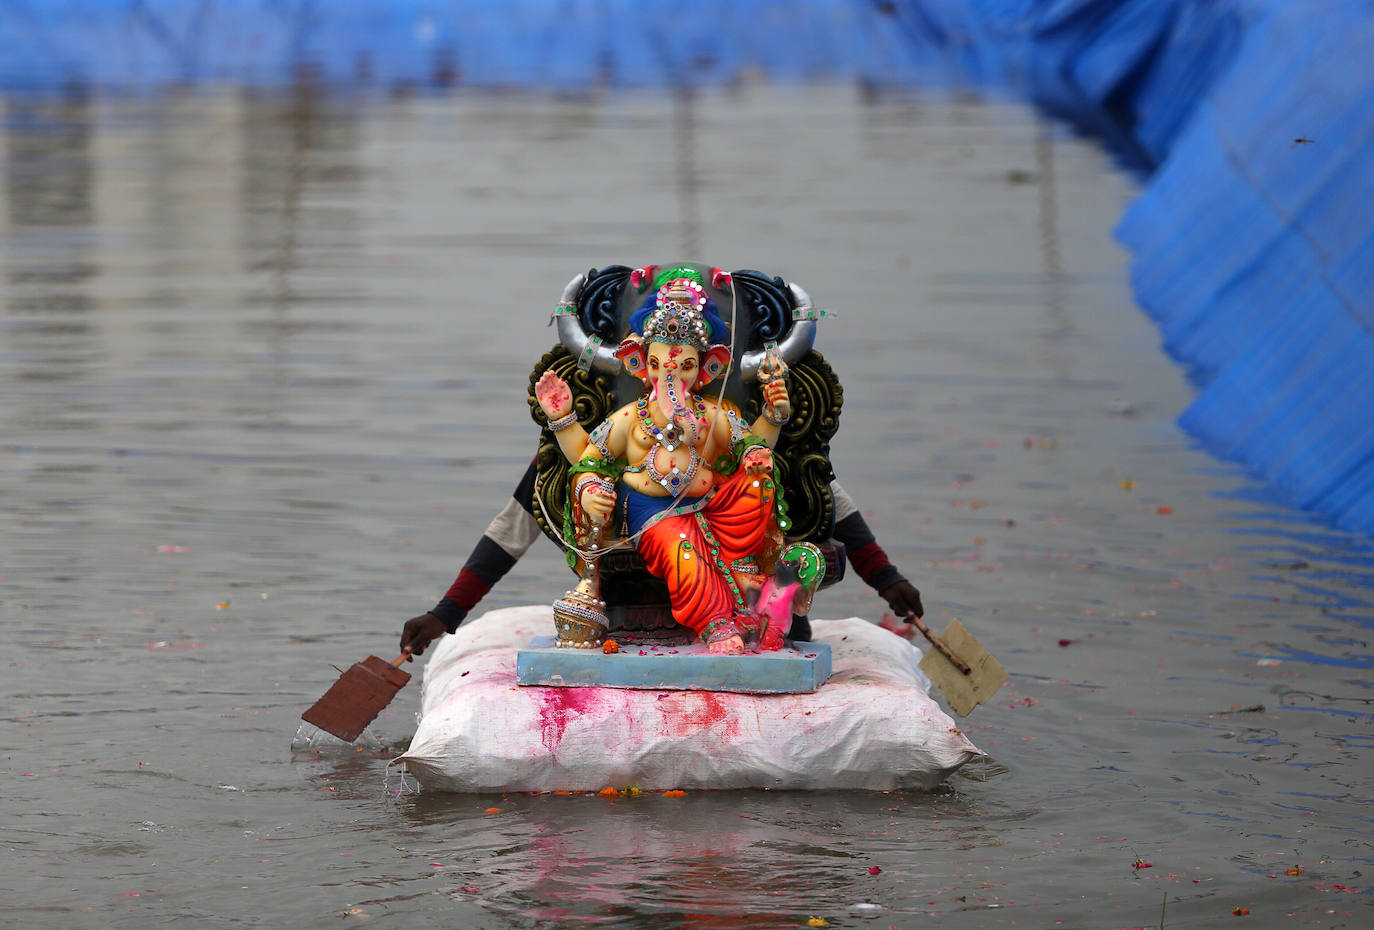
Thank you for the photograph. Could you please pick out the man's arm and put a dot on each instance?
(506, 539)
(869, 559)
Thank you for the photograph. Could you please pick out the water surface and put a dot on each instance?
(263, 365)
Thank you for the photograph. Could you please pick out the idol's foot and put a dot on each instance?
(724, 638)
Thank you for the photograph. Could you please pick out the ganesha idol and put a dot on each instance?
(676, 470)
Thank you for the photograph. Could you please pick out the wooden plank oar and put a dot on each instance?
(938, 643)
(360, 694)
(966, 673)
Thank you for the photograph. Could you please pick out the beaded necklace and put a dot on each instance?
(669, 438)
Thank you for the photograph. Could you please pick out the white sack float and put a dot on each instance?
(871, 726)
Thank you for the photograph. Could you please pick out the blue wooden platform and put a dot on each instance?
(675, 668)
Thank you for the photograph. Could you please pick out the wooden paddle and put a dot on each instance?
(966, 673)
(360, 694)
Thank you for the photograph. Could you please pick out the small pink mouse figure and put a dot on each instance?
(774, 608)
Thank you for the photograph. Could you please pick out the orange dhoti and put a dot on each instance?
(693, 552)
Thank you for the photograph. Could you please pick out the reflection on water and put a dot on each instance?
(649, 859)
(263, 364)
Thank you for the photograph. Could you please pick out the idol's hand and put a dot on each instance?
(758, 461)
(775, 395)
(554, 397)
(597, 500)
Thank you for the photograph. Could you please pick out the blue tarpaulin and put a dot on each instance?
(1252, 122)
(1254, 247)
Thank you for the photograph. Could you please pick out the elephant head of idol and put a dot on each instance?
(675, 346)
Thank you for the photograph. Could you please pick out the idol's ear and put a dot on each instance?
(712, 364)
(631, 354)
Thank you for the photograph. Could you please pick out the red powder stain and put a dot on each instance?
(559, 707)
(690, 712)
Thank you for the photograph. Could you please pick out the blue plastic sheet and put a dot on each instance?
(389, 44)
(1253, 239)
(1253, 250)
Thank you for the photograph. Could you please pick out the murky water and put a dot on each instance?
(262, 373)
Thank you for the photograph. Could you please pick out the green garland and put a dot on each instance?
(728, 462)
(606, 468)
(677, 273)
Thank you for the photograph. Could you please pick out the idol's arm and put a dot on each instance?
(769, 424)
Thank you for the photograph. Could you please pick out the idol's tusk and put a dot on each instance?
(588, 349)
(573, 289)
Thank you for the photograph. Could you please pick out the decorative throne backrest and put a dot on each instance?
(593, 318)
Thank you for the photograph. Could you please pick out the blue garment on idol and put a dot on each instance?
(638, 508)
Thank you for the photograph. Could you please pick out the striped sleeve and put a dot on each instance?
(867, 557)
(507, 538)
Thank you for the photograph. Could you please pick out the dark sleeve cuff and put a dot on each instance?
(885, 578)
(449, 614)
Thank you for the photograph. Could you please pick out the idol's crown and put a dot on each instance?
(679, 316)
